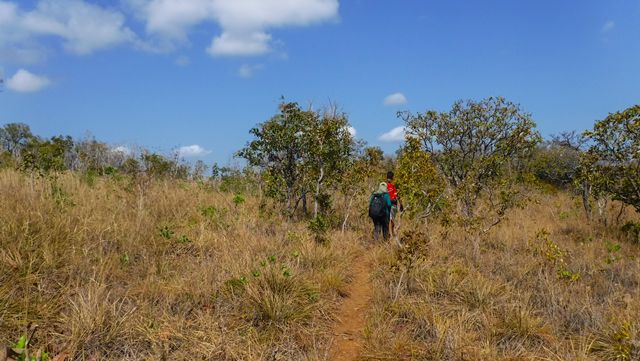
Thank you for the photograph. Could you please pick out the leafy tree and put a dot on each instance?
(46, 156)
(593, 183)
(356, 178)
(328, 149)
(156, 165)
(278, 150)
(418, 178)
(557, 160)
(614, 156)
(216, 171)
(14, 137)
(300, 152)
(373, 156)
(475, 144)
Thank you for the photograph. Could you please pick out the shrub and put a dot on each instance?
(615, 155)
(632, 230)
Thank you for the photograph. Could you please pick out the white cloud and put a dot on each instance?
(83, 27)
(25, 82)
(254, 43)
(608, 26)
(394, 135)
(395, 99)
(247, 71)
(244, 23)
(352, 131)
(122, 150)
(192, 151)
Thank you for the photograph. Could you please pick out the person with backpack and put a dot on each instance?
(395, 201)
(379, 211)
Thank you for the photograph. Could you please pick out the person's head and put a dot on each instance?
(390, 175)
(382, 188)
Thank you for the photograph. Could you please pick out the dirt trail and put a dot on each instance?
(348, 341)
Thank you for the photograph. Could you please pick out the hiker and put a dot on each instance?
(379, 211)
(395, 202)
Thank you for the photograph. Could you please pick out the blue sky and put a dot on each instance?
(165, 74)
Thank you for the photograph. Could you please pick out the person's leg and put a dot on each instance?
(376, 230)
(392, 223)
(385, 229)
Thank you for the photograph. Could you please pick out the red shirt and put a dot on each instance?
(393, 192)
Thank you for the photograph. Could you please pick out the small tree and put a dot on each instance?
(615, 155)
(356, 178)
(14, 137)
(46, 157)
(593, 182)
(278, 150)
(156, 165)
(300, 152)
(476, 147)
(216, 171)
(557, 161)
(422, 187)
(328, 149)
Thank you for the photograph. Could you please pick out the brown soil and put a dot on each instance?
(351, 318)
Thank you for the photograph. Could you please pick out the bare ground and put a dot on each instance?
(348, 331)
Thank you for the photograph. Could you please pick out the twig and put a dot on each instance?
(495, 223)
(397, 293)
(622, 207)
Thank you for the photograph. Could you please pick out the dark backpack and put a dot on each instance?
(377, 205)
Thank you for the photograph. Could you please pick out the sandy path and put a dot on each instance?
(351, 316)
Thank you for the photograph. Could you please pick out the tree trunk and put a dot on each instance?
(346, 217)
(304, 203)
(467, 207)
(317, 195)
(586, 195)
(602, 210)
(289, 201)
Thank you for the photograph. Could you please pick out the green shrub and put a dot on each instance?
(632, 230)
(319, 226)
(166, 233)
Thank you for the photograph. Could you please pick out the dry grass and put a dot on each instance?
(176, 270)
(162, 270)
(568, 294)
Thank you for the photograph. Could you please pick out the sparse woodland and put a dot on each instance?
(511, 246)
